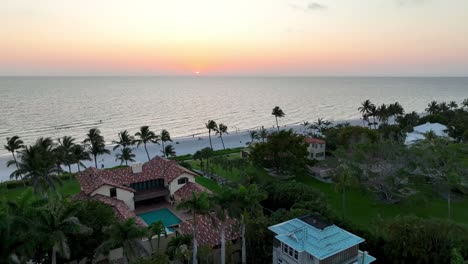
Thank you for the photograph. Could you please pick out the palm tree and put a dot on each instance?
(80, 154)
(443, 107)
(96, 144)
(66, 147)
(453, 105)
(343, 181)
(222, 129)
(197, 205)
(225, 205)
(156, 229)
(277, 112)
(145, 135)
(383, 113)
(179, 245)
(37, 164)
(125, 140)
(169, 151)
(126, 235)
(253, 136)
(263, 134)
(165, 137)
(55, 224)
(433, 108)
(211, 126)
(125, 156)
(306, 125)
(365, 109)
(465, 103)
(374, 113)
(13, 145)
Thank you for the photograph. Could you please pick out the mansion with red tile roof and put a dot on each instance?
(122, 188)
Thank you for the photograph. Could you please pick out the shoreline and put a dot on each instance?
(182, 145)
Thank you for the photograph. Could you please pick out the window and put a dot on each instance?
(113, 192)
(182, 180)
(320, 154)
(290, 252)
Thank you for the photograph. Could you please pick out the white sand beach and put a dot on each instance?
(183, 145)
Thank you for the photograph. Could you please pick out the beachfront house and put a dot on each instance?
(316, 148)
(310, 240)
(158, 180)
(419, 132)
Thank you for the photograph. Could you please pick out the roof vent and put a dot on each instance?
(137, 167)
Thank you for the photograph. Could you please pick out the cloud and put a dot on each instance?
(311, 6)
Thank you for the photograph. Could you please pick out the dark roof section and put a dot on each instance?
(315, 221)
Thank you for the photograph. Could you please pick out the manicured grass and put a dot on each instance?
(68, 188)
(209, 184)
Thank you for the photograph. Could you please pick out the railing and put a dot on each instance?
(150, 194)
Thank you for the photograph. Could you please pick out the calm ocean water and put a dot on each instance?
(32, 107)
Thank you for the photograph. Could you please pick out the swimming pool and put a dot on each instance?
(165, 215)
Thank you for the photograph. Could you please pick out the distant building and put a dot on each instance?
(316, 148)
(309, 240)
(419, 132)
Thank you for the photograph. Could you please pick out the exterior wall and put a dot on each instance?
(281, 258)
(316, 151)
(123, 195)
(173, 186)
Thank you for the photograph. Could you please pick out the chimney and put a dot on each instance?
(137, 167)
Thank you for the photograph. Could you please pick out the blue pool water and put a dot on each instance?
(165, 215)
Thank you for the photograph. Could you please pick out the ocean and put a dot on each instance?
(33, 107)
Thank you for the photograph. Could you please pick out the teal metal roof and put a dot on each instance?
(320, 243)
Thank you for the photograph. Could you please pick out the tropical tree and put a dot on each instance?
(169, 151)
(13, 145)
(179, 245)
(37, 164)
(125, 156)
(211, 126)
(453, 105)
(126, 235)
(373, 111)
(343, 181)
(443, 107)
(277, 112)
(253, 136)
(96, 144)
(165, 137)
(54, 224)
(66, 146)
(222, 129)
(156, 229)
(465, 103)
(433, 108)
(144, 136)
(306, 125)
(225, 202)
(263, 134)
(80, 154)
(125, 140)
(365, 109)
(197, 205)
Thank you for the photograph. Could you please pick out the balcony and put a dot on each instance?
(150, 194)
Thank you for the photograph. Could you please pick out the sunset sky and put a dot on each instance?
(234, 37)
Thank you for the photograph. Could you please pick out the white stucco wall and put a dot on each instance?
(174, 186)
(319, 148)
(123, 195)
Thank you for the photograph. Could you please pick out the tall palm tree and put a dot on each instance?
(306, 125)
(433, 108)
(165, 137)
(179, 245)
(125, 140)
(197, 205)
(453, 105)
(211, 126)
(169, 151)
(96, 144)
(374, 113)
(126, 235)
(222, 129)
(383, 113)
(156, 229)
(66, 146)
(277, 112)
(365, 109)
(80, 154)
(55, 224)
(344, 180)
(37, 164)
(465, 103)
(225, 205)
(253, 136)
(145, 135)
(13, 145)
(443, 107)
(263, 134)
(125, 156)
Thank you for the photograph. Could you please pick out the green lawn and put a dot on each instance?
(68, 188)
(209, 184)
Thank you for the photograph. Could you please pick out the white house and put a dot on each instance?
(419, 132)
(316, 148)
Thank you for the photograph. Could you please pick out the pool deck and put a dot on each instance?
(159, 205)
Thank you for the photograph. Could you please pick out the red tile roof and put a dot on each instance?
(314, 140)
(209, 234)
(122, 212)
(185, 191)
(157, 168)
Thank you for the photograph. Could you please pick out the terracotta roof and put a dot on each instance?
(314, 140)
(122, 212)
(186, 191)
(209, 234)
(157, 168)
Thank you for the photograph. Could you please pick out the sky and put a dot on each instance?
(234, 37)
